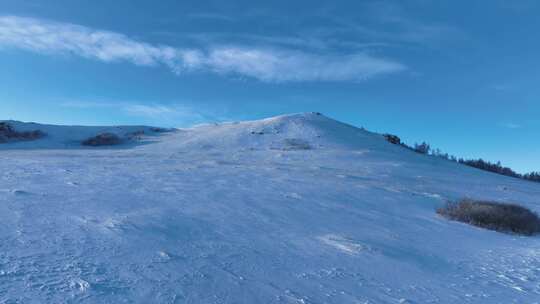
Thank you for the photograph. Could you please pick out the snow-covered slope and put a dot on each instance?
(291, 209)
(64, 137)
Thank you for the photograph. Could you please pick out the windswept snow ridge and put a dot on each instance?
(292, 209)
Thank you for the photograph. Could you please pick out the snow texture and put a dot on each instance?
(291, 209)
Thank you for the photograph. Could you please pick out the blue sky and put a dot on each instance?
(462, 75)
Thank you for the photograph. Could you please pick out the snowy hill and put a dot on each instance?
(292, 209)
(63, 137)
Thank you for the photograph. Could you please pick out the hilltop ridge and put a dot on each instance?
(291, 131)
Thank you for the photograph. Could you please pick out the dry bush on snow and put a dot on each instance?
(8, 133)
(494, 216)
(103, 139)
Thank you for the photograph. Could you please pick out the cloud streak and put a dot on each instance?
(53, 37)
(171, 114)
(265, 64)
(279, 65)
(511, 125)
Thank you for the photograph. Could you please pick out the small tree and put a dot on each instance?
(422, 148)
(393, 139)
(533, 176)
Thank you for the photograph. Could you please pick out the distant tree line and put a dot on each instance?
(425, 148)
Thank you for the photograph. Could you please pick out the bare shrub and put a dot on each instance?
(103, 139)
(296, 144)
(8, 133)
(393, 139)
(508, 218)
(137, 135)
(159, 130)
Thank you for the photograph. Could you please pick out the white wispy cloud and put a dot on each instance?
(147, 110)
(280, 65)
(511, 125)
(262, 63)
(501, 87)
(170, 114)
(54, 37)
(158, 110)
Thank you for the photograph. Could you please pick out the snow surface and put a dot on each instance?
(291, 209)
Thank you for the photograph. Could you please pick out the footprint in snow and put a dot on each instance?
(163, 256)
(294, 196)
(361, 152)
(20, 192)
(343, 244)
(432, 195)
(80, 285)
